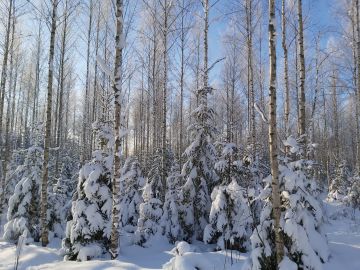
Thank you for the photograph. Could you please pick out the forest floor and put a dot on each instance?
(342, 230)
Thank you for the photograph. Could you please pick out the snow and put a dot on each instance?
(210, 260)
(104, 67)
(182, 248)
(343, 235)
(262, 114)
(292, 144)
(287, 264)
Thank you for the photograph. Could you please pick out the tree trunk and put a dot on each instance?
(335, 120)
(59, 115)
(86, 120)
(2, 89)
(44, 184)
(250, 78)
(182, 74)
(95, 92)
(358, 76)
(119, 42)
(279, 244)
(165, 63)
(286, 76)
(12, 82)
(206, 48)
(37, 77)
(302, 112)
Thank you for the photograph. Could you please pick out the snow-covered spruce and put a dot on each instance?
(60, 199)
(153, 195)
(230, 222)
(91, 225)
(150, 215)
(353, 197)
(14, 173)
(132, 181)
(300, 221)
(198, 170)
(172, 206)
(22, 213)
(88, 233)
(339, 187)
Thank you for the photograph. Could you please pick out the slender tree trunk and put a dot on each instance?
(358, 75)
(67, 109)
(154, 91)
(2, 89)
(37, 77)
(335, 119)
(206, 48)
(279, 244)
(197, 75)
(119, 42)
(12, 82)
(13, 100)
(250, 77)
(47, 139)
(182, 74)
(95, 92)
(302, 112)
(86, 120)
(356, 160)
(59, 115)
(26, 104)
(316, 92)
(286, 68)
(165, 63)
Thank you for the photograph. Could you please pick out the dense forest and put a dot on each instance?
(221, 125)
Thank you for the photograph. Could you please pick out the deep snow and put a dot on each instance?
(343, 233)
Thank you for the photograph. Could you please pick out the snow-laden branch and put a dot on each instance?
(257, 108)
(104, 67)
(213, 65)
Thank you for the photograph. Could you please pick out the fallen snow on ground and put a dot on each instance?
(343, 233)
(36, 257)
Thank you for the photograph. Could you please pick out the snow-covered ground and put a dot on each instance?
(343, 235)
(342, 231)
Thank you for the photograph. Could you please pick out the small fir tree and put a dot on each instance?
(172, 206)
(88, 233)
(301, 221)
(149, 223)
(150, 215)
(132, 181)
(22, 215)
(60, 199)
(340, 185)
(198, 170)
(14, 174)
(353, 197)
(230, 222)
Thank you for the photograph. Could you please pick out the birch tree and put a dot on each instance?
(117, 86)
(286, 69)
(279, 244)
(3, 84)
(358, 75)
(302, 110)
(47, 138)
(86, 120)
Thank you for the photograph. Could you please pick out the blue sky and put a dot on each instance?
(320, 12)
